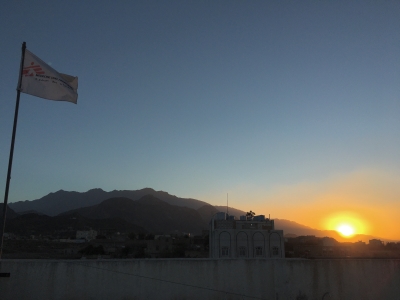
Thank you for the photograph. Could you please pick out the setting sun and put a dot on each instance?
(345, 229)
(346, 223)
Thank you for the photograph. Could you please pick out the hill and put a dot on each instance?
(232, 211)
(62, 201)
(151, 213)
(206, 212)
(11, 214)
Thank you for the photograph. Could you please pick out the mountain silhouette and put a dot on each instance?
(151, 213)
(232, 211)
(207, 212)
(62, 201)
(10, 214)
(154, 211)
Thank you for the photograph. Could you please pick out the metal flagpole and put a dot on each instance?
(3, 224)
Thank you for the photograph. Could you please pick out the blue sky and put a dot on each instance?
(204, 98)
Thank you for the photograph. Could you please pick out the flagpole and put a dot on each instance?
(3, 224)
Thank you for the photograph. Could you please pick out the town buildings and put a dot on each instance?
(88, 235)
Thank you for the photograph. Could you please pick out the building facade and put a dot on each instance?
(249, 237)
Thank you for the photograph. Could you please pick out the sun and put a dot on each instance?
(346, 223)
(345, 230)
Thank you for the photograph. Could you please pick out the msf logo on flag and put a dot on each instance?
(41, 80)
(32, 70)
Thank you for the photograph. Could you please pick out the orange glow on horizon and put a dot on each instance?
(365, 200)
(347, 223)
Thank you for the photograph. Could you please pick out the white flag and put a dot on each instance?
(41, 80)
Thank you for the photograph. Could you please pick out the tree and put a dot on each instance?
(250, 215)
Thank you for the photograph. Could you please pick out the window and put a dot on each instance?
(275, 251)
(259, 251)
(224, 251)
(242, 251)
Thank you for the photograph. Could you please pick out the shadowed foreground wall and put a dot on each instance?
(201, 279)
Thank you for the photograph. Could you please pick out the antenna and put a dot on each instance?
(226, 203)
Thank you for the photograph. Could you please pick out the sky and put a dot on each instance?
(289, 107)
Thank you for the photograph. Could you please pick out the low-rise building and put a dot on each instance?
(375, 244)
(249, 237)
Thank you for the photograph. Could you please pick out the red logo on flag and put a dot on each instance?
(32, 70)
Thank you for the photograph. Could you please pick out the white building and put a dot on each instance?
(249, 237)
(88, 235)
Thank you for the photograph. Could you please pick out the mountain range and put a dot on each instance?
(149, 212)
(62, 201)
(144, 210)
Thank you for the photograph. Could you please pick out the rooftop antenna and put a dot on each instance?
(227, 203)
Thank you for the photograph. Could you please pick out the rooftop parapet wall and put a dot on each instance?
(236, 224)
(201, 279)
